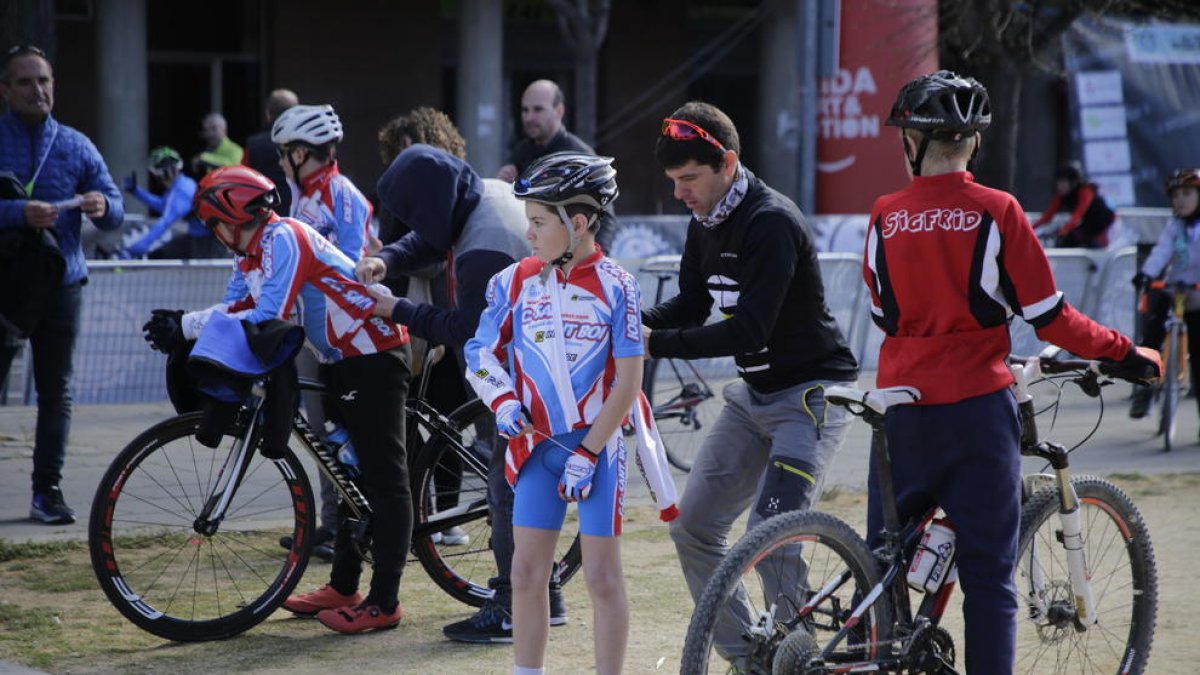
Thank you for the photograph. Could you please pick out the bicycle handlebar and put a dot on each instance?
(1111, 369)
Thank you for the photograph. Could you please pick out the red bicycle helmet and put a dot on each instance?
(1183, 178)
(236, 195)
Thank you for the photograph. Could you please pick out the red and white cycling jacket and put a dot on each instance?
(335, 208)
(948, 263)
(287, 260)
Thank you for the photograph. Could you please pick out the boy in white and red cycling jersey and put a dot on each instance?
(306, 139)
(558, 357)
(1176, 256)
(282, 265)
(948, 263)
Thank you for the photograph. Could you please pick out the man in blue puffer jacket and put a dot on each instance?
(65, 177)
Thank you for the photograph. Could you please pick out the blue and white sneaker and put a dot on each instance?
(50, 508)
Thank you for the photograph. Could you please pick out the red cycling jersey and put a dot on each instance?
(949, 262)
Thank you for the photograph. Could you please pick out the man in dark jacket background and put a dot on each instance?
(260, 151)
(65, 178)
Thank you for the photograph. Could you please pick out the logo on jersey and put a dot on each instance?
(585, 332)
(947, 220)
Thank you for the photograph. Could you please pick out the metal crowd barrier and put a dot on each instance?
(114, 365)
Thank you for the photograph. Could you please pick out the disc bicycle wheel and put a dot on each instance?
(1121, 570)
(755, 612)
(450, 479)
(685, 408)
(155, 561)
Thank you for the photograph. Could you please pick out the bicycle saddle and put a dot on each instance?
(878, 400)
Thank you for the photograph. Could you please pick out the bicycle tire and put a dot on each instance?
(682, 427)
(829, 548)
(1124, 578)
(463, 570)
(1170, 388)
(174, 582)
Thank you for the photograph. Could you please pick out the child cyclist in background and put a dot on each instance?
(1177, 253)
(558, 357)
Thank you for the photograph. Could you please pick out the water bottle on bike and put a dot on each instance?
(339, 440)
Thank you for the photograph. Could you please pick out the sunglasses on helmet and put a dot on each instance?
(683, 130)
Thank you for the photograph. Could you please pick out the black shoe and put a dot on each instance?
(49, 507)
(1141, 401)
(558, 605)
(492, 624)
(322, 549)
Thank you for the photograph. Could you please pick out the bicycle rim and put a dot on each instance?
(178, 583)
(750, 615)
(685, 408)
(450, 488)
(1124, 582)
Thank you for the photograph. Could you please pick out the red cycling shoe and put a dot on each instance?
(325, 597)
(360, 619)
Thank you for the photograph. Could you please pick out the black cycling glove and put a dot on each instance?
(1140, 280)
(164, 330)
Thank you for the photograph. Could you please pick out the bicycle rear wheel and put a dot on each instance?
(174, 581)
(685, 407)
(754, 610)
(463, 568)
(1124, 579)
(1171, 389)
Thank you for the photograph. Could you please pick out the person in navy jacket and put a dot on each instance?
(65, 178)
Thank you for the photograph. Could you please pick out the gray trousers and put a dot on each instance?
(765, 451)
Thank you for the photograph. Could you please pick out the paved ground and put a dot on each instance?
(99, 431)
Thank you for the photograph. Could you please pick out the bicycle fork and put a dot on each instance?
(1071, 537)
(230, 475)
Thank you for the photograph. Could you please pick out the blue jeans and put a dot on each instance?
(53, 344)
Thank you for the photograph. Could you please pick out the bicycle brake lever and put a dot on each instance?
(1089, 383)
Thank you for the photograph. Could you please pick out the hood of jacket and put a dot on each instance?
(432, 192)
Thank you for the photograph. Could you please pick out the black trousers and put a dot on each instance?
(367, 395)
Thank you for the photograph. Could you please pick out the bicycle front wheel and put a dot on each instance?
(781, 594)
(162, 569)
(450, 479)
(1122, 573)
(685, 408)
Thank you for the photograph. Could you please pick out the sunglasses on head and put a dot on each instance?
(683, 130)
(23, 50)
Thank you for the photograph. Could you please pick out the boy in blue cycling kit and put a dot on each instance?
(948, 263)
(282, 265)
(306, 138)
(1177, 253)
(166, 166)
(558, 357)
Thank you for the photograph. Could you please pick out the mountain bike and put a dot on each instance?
(184, 538)
(806, 595)
(683, 402)
(1175, 361)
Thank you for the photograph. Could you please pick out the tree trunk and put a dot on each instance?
(584, 104)
(996, 164)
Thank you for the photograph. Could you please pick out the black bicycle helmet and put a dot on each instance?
(565, 178)
(1071, 171)
(944, 105)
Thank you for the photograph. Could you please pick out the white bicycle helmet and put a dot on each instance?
(312, 124)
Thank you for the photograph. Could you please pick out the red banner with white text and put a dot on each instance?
(884, 44)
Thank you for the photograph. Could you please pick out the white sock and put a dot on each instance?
(522, 670)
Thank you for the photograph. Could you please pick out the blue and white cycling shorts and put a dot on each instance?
(536, 501)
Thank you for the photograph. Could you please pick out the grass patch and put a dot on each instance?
(1129, 477)
(10, 550)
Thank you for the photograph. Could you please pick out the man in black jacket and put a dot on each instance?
(749, 251)
(260, 152)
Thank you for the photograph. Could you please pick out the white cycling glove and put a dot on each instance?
(511, 419)
(576, 482)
